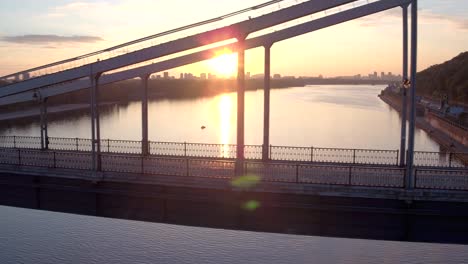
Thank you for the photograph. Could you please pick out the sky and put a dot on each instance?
(33, 33)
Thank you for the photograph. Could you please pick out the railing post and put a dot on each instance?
(77, 147)
(271, 151)
(108, 145)
(349, 175)
(185, 149)
(14, 141)
(312, 154)
(354, 156)
(397, 156)
(450, 159)
(297, 173)
(19, 157)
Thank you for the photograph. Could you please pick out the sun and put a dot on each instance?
(224, 64)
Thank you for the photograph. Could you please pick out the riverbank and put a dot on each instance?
(445, 140)
(183, 89)
(27, 115)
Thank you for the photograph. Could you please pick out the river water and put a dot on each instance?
(30, 236)
(339, 116)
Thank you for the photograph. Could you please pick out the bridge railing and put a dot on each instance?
(441, 179)
(251, 152)
(334, 155)
(327, 174)
(440, 159)
(302, 173)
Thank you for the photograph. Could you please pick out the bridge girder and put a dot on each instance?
(264, 40)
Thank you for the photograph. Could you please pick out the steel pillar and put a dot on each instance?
(266, 105)
(95, 124)
(404, 103)
(144, 116)
(44, 128)
(240, 106)
(414, 49)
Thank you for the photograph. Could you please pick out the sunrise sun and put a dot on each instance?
(224, 64)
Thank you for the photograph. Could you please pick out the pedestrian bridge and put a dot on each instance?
(377, 194)
(258, 26)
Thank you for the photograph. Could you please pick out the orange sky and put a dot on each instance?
(362, 46)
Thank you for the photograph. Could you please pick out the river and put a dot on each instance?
(339, 116)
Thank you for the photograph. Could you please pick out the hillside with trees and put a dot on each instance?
(447, 79)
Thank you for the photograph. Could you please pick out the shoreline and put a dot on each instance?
(436, 134)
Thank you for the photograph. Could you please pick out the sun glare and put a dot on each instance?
(224, 64)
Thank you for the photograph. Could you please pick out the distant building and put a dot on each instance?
(382, 75)
(203, 76)
(277, 76)
(166, 75)
(258, 76)
(181, 76)
(211, 76)
(247, 75)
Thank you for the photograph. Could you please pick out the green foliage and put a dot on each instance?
(449, 78)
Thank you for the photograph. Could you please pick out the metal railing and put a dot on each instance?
(299, 173)
(251, 152)
(334, 155)
(440, 159)
(441, 179)
(328, 175)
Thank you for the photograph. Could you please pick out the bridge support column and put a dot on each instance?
(266, 105)
(404, 85)
(144, 116)
(414, 49)
(44, 128)
(240, 105)
(95, 124)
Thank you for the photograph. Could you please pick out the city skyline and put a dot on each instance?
(35, 34)
(389, 76)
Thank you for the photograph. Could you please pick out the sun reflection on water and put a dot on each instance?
(225, 106)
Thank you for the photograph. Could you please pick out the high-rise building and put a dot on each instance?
(247, 75)
(203, 76)
(276, 76)
(181, 76)
(382, 75)
(166, 75)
